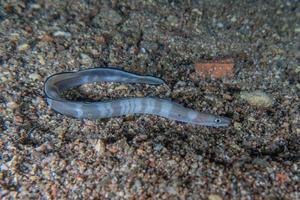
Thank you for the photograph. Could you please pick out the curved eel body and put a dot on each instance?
(57, 83)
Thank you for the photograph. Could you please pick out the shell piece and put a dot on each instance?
(257, 98)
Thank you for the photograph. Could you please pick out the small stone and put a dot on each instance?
(233, 19)
(197, 11)
(35, 76)
(121, 87)
(62, 34)
(14, 37)
(251, 119)
(180, 84)
(158, 147)
(60, 131)
(297, 69)
(18, 119)
(46, 38)
(143, 50)
(172, 20)
(100, 147)
(41, 60)
(214, 197)
(227, 97)
(35, 6)
(33, 178)
(257, 98)
(113, 149)
(171, 190)
(220, 25)
(89, 123)
(12, 105)
(140, 151)
(85, 59)
(260, 162)
(95, 53)
(285, 125)
(171, 162)
(237, 126)
(297, 30)
(99, 39)
(23, 47)
(43, 147)
(147, 46)
(3, 79)
(137, 185)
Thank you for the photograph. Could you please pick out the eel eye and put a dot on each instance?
(218, 120)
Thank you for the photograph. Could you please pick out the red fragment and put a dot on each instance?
(281, 177)
(215, 68)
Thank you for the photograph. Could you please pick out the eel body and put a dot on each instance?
(57, 83)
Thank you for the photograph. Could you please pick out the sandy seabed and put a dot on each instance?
(45, 155)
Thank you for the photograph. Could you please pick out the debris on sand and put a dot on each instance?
(257, 98)
(215, 68)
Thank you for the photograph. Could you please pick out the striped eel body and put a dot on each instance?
(57, 83)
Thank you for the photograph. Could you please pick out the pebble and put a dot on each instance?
(197, 11)
(171, 190)
(233, 19)
(3, 79)
(121, 87)
(257, 98)
(214, 197)
(172, 20)
(18, 119)
(12, 105)
(251, 119)
(23, 47)
(35, 6)
(85, 59)
(158, 147)
(180, 84)
(113, 149)
(143, 50)
(261, 162)
(62, 34)
(41, 60)
(60, 131)
(46, 38)
(14, 37)
(220, 25)
(227, 97)
(147, 46)
(100, 147)
(99, 39)
(43, 147)
(35, 76)
(297, 69)
(237, 126)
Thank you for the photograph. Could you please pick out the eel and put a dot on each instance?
(57, 83)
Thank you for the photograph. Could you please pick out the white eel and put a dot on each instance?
(57, 83)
